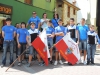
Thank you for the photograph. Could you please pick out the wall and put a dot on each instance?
(93, 6)
(59, 9)
(65, 18)
(43, 4)
(88, 11)
(83, 5)
(22, 12)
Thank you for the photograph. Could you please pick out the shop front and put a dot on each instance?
(5, 12)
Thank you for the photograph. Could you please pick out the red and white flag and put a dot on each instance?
(41, 46)
(68, 49)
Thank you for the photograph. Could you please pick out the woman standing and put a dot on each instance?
(55, 20)
(44, 21)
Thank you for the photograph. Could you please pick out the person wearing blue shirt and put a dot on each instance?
(50, 36)
(22, 35)
(55, 24)
(91, 44)
(60, 31)
(8, 33)
(82, 38)
(35, 19)
(55, 20)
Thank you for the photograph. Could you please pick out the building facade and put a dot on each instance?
(21, 10)
(66, 10)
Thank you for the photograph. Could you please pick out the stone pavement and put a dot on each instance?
(65, 69)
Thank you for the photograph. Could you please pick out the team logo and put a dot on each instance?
(69, 51)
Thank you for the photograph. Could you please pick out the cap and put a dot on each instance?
(32, 23)
(34, 12)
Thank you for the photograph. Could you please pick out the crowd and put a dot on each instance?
(85, 36)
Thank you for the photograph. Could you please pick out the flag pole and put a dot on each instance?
(15, 61)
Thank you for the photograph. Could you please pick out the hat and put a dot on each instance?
(32, 23)
(33, 12)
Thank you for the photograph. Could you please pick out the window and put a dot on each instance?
(28, 1)
(68, 14)
(74, 11)
(48, 0)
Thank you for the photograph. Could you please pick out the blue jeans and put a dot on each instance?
(83, 45)
(90, 52)
(50, 43)
(7, 44)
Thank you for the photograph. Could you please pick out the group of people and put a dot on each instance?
(85, 36)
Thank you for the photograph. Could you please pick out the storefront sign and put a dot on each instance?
(5, 9)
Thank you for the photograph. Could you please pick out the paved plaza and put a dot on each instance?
(65, 69)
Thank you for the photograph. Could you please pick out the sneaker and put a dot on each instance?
(22, 62)
(69, 63)
(84, 62)
(29, 64)
(60, 61)
(93, 63)
(19, 64)
(55, 63)
(2, 65)
(41, 63)
(51, 62)
(80, 61)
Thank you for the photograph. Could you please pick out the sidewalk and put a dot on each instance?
(65, 69)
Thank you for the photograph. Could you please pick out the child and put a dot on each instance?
(50, 35)
(33, 32)
(91, 44)
(72, 30)
(60, 31)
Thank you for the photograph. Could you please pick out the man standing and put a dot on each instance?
(60, 32)
(22, 34)
(8, 33)
(35, 19)
(82, 30)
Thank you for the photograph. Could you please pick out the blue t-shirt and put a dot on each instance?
(60, 29)
(82, 31)
(55, 22)
(23, 33)
(49, 30)
(8, 32)
(36, 20)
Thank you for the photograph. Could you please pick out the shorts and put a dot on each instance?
(50, 43)
(32, 51)
(22, 48)
(83, 45)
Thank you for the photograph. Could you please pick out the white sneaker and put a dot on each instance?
(84, 62)
(55, 63)
(80, 61)
(60, 62)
